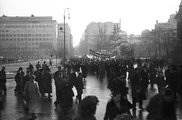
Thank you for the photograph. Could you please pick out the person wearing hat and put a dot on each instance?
(87, 108)
(3, 81)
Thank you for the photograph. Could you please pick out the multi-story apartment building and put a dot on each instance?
(27, 37)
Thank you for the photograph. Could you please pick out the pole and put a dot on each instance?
(64, 56)
(64, 43)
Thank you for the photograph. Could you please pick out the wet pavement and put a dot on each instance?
(14, 110)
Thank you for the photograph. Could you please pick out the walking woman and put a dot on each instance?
(32, 95)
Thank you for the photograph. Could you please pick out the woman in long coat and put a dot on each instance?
(32, 95)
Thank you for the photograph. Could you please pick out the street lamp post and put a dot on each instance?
(64, 56)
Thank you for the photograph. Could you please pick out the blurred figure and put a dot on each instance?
(47, 81)
(119, 103)
(26, 77)
(58, 76)
(162, 106)
(79, 87)
(31, 68)
(66, 100)
(38, 66)
(45, 66)
(3, 80)
(19, 81)
(101, 71)
(161, 83)
(32, 95)
(87, 108)
(124, 116)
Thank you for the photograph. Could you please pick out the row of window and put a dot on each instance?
(26, 26)
(17, 49)
(25, 35)
(26, 39)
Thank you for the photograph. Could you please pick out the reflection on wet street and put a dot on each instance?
(14, 109)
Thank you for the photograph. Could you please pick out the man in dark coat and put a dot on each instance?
(79, 87)
(58, 76)
(47, 82)
(3, 81)
(19, 81)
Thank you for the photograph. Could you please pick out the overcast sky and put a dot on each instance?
(135, 15)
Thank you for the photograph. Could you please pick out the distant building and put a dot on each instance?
(97, 35)
(178, 17)
(171, 24)
(68, 41)
(27, 37)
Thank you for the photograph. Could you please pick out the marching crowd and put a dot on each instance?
(139, 75)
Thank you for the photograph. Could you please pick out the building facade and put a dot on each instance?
(27, 37)
(178, 17)
(162, 40)
(100, 37)
(68, 41)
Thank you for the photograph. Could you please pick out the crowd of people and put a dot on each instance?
(122, 76)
